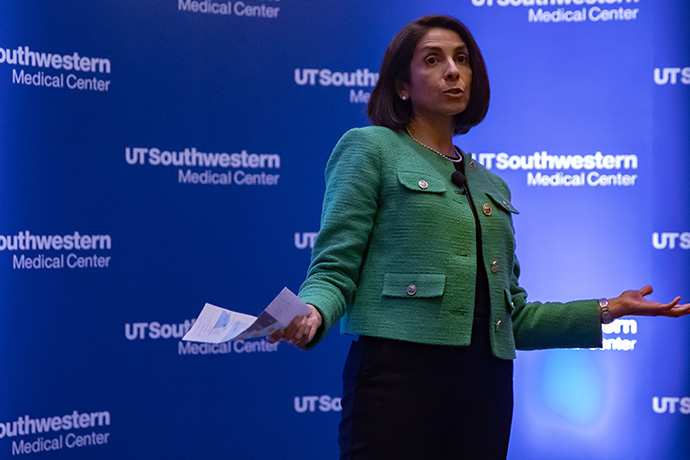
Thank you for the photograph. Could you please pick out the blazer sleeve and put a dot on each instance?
(347, 219)
(539, 325)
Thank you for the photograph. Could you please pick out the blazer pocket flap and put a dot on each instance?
(413, 285)
(503, 203)
(421, 182)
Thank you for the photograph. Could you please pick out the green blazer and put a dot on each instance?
(396, 254)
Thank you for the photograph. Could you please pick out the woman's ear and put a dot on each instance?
(401, 89)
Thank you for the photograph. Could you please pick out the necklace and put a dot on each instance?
(454, 160)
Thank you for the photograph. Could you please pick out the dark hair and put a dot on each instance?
(385, 107)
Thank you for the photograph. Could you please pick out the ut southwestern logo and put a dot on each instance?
(328, 77)
(156, 330)
(671, 405)
(189, 158)
(545, 169)
(25, 243)
(240, 9)
(618, 327)
(50, 431)
(305, 240)
(548, 2)
(54, 65)
(671, 240)
(672, 75)
(323, 403)
(585, 10)
(362, 78)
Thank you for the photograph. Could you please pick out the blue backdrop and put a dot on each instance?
(158, 155)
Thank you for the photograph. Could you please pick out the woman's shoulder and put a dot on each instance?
(377, 136)
(369, 147)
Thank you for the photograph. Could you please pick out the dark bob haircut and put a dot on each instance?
(385, 107)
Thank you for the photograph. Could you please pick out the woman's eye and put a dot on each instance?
(431, 60)
(463, 58)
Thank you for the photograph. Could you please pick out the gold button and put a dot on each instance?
(487, 209)
(473, 165)
(494, 266)
(423, 184)
(411, 289)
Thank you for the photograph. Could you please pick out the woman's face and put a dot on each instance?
(440, 76)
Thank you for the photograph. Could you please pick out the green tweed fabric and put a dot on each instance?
(396, 253)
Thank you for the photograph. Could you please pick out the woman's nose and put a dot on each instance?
(452, 72)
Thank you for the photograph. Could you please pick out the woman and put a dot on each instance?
(416, 254)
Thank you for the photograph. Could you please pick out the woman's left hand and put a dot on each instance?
(301, 330)
(634, 303)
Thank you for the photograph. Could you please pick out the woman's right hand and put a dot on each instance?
(301, 330)
(633, 302)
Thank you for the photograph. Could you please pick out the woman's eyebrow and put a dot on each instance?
(438, 48)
